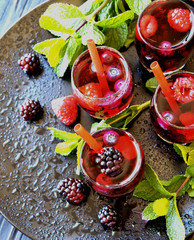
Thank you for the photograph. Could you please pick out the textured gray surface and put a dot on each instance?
(30, 170)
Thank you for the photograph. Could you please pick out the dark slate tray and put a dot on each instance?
(30, 170)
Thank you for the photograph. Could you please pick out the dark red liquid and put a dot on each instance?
(132, 166)
(84, 73)
(166, 123)
(152, 48)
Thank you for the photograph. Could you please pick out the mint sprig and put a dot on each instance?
(107, 22)
(160, 192)
(186, 152)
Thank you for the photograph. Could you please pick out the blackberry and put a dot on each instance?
(31, 110)
(29, 63)
(75, 191)
(110, 160)
(108, 217)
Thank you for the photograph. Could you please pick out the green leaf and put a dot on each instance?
(191, 182)
(190, 192)
(116, 21)
(190, 171)
(107, 12)
(97, 126)
(173, 184)
(151, 84)
(175, 227)
(145, 191)
(63, 135)
(79, 148)
(93, 31)
(50, 23)
(65, 148)
(148, 213)
(124, 118)
(44, 47)
(131, 32)
(63, 11)
(68, 54)
(116, 37)
(137, 6)
(161, 206)
(155, 182)
(186, 152)
(90, 6)
(55, 52)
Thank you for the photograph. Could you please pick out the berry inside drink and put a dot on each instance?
(170, 126)
(118, 168)
(164, 33)
(87, 89)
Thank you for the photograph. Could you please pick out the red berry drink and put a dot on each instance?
(175, 127)
(118, 168)
(164, 33)
(87, 89)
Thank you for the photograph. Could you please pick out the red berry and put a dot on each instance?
(179, 19)
(91, 90)
(66, 109)
(183, 89)
(148, 26)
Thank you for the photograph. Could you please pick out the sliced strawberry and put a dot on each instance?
(104, 179)
(148, 26)
(91, 90)
(66, 109)
(183, 89)
(187, 118)
(179, 19)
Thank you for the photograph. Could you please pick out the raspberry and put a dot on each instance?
(31, 110)
(91, 90)
(29, 63)
(66, 109)
(183, 89)
(108, 217)
(110, 160)
(148, 26)
(75, 191)
(179, 19)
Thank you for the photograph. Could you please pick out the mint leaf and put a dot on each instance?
(97, 126)
(116, 37)
(173, 184)
(50, 23)
(44, 47)
(116, 21)
(190, 192)
(161, 206)
(151, 84)
(155, 182)
(61, 11)
(79, 148)
(124, 118)
(145, 191)
(97, 35)
(68, 54)
(107, 12)
(65, 148)
(186, 152)
(90, 6)
(190, 171)
(148, 213)
(175, 227)
(131, 32)
(137, 6)
(63, 135)
(55, 52)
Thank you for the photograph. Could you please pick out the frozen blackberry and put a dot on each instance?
(110, 160)
(75, 191)
(29, 63)
(31, 110)
(108, 217)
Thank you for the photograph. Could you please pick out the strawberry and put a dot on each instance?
(148, 26)
(183, 89)
(179, 19)
(66, 109)
(91, 90)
